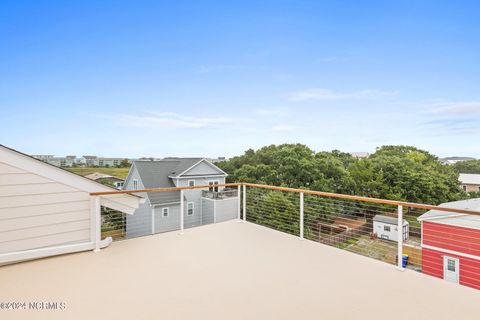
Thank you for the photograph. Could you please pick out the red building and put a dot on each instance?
(451, 244)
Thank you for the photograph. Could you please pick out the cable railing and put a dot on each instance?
(404, 234)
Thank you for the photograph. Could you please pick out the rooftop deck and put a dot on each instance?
(230, 270)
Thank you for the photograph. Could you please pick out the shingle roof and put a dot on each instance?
(469, 178)
(182, 164)
(154, 174)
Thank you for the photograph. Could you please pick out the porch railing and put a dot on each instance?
(385, 230)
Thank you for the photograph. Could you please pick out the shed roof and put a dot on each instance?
(469, 178)
(456, 219)
(387, 219)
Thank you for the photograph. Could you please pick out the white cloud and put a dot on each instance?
(326, 94)
(456, 108)
(171, 119)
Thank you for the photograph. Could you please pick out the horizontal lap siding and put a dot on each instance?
(170, 223)
(432, 264)
(36, 212)
(207, 211)
(454, 238)
(226, 209)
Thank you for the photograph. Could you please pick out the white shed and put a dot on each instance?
(46, 210)
(386, 228)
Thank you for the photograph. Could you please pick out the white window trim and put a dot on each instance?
(168, 212)
(188, 183)
(135, 184)
(193, 208)
(213, 185)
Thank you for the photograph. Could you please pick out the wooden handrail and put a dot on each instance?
(305, 191)
(104, 193)
(364, 199)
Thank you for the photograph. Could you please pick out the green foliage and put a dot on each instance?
(392, 172)
(124, 164)
(276, 210)
(469, 166)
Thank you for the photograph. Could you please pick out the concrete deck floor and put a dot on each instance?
(230, 270)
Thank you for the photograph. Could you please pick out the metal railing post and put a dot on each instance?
(301, 215)
(244, 203)
(239, 188)
(181, 212)
(400, 239)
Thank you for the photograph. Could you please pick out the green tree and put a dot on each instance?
(406, 173)
(469, 166)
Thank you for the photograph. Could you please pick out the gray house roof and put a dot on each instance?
(156, 174)
(386, 219)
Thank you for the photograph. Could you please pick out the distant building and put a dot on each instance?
(360, 155)
(453, 160)
(386, 228)
(451, 243)
(470, 182)
(94, 161)
(219, 159)
(162, 211)
(68, 161)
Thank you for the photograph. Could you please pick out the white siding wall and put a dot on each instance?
(170, 223)
(37, 212)
(195, 196)
(140, 223)
(379, 229)
(226, 209)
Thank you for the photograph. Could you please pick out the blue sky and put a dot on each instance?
(214, 78)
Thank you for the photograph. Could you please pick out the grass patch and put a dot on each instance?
(116, 172)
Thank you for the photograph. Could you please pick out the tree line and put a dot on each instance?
(402, 173)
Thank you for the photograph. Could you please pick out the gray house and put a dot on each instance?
(161, 210)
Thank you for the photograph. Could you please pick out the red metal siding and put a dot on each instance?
(432, 264)
(453, 238)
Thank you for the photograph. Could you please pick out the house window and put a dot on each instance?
(135, 184)
(386, 228)
(451, 265)
(164, 212)
(190, 209)
(213, 189)
(464, 188)
(191, 183)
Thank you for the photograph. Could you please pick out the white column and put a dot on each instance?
(301, 215)
(98, 222)
(400, 239)
(153, 219)
(239, 190)
(244, 203)
(181, 211)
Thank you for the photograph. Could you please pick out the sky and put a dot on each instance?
(215, 78)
